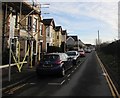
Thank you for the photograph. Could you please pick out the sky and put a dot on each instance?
(84, 18)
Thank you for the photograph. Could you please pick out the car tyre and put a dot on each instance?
(74, 62)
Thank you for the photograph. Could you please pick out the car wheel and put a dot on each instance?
(74, 62)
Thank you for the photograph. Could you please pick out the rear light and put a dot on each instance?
(58, 61)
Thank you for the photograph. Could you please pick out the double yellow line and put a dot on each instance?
(113, 89)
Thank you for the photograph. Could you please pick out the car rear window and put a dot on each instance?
(71, 53)
(50, 57)
(81, 51)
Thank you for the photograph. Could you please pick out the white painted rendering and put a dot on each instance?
(70, 41)
(49, 38)
(12, 25)
(41, 24)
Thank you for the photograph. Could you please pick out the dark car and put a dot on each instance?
(53, 63)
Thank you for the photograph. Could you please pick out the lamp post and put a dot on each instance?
(98, 41)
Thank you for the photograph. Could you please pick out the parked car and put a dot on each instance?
(54, 63)
(74, 55)
(82, 53)
(88, 50)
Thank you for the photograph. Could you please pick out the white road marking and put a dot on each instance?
(32, 83)
(56, 83)
(69, 79)
(112, 87)
(68, 75)
(104, 74)
(11, 91)
(62, 82)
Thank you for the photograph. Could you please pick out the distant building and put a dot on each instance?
(72, 43)
(81, 44)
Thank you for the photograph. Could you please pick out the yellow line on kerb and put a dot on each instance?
(113, 89)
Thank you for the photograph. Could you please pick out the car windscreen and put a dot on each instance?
(71, 53)
(50, 57)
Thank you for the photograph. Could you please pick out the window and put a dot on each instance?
(16, 21)
(41, 28)
(34, 46)
(50, 57)
(47, 31)
(35, 25)
(29, 23)
(57, 36)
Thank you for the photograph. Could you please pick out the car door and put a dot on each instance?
(67, 62)
(62, 58)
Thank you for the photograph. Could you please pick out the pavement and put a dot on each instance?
(16, 76)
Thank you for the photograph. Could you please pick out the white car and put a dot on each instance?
(74, 55)
(88, 50)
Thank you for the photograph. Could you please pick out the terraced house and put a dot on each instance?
(21, 26)
(72, 43)
(63, 40)
(27, 35)
(48, 34)
(54, 38)
(58, 36)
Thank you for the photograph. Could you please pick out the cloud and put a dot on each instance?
(105, 12)
(86, 16)
(79, 0)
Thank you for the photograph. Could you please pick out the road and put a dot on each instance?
(84, 79)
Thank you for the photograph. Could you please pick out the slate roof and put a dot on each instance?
(48, 22)
(74, 37)
(64, 32)
(57, 28)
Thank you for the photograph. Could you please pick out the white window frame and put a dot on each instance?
(35, 23)
(41, 29)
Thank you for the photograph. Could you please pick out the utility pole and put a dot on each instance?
(98, 40)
